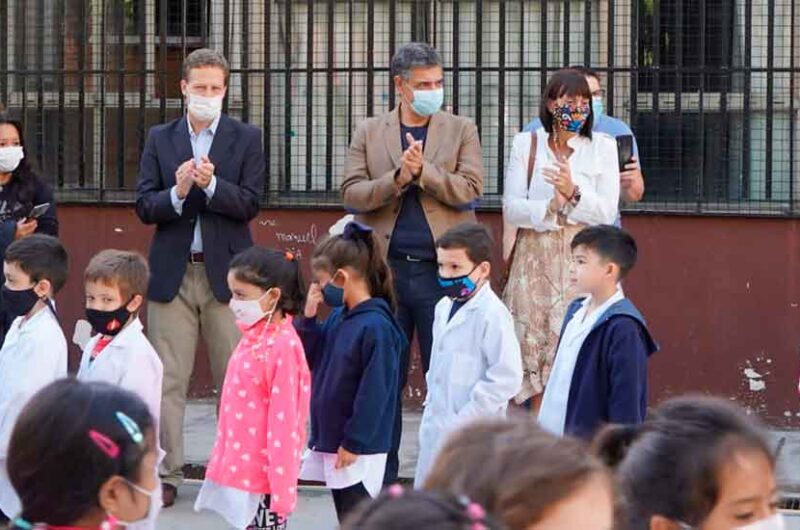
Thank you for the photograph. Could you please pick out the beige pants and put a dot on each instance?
(173, 329)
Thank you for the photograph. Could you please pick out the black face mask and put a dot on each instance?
(18, 303)
(109, 322)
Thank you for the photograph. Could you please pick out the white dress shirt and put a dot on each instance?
(553, 412)
(595, 169)
(201, 146)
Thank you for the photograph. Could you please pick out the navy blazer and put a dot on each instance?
(238, 158)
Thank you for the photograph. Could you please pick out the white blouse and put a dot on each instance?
(594, 167)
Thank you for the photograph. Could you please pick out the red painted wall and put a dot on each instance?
(721, 295)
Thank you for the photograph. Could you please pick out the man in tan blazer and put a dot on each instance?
(412, 174)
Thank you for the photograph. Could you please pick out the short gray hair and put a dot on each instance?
(205, 57)
(414, 55)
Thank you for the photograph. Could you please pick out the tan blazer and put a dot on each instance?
(451, 180)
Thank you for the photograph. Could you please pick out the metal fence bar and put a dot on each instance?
(543, 4)
(288, 133)
(60, 35)
(119, 14)
(245, 60)
(84, 23)
(141, 26)
(768, 148)
(565, 37)
(5, 20)
(478, 113)
(587, 32)
(267, 120)
(501, 88)
(40, 118)
(748, 62)
(101, 178)
(456, 69)
(309, 99)
(370, 59)
(329, 89)
(700, 186)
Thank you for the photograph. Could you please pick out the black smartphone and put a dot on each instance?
(38, 211)
(625, 150)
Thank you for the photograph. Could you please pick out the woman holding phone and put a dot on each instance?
(560, 179)
(27, 205)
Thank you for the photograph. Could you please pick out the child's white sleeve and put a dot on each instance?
(503, 378)
(44, 362)
(143, 378)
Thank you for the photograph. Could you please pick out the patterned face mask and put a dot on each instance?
(570, 118)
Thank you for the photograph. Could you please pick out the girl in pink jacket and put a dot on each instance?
(251, 478)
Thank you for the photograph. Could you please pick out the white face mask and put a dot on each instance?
(773, 522)
(248, 312)
(204, 108)
(153, 508)
(10, 157)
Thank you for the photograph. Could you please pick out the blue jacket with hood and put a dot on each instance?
(354, 358)
(609, 383)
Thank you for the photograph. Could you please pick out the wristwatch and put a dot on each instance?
(576, 196)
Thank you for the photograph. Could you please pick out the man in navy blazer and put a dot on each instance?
(199, 182)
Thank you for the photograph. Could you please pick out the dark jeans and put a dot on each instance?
(346, 500)
(418, 292)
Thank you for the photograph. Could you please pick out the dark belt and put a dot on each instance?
(196, 257)
(410, 259)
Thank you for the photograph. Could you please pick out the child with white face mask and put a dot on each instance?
(697, 463)
(83, 456)
(251, 478)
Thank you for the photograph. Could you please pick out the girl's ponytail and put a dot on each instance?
(380, 275)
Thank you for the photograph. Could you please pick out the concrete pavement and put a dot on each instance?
(314, 512)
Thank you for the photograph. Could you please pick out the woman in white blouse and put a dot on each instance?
(574, 183)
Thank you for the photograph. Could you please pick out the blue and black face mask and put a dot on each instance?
(459, 288)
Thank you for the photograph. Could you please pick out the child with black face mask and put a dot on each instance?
(476, 367)
(35, 351)
(115, 285)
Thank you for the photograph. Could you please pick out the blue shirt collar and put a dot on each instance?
(211, 128)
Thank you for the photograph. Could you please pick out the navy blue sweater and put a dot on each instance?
(609, 383)
(354, 358)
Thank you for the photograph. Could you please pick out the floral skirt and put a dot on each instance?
(538, 293)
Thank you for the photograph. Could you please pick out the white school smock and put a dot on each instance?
(476, 368)
(367, 469)
(130, 362)
(595, 169)
(33, 356)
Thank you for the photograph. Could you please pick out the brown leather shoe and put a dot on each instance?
(168, 494)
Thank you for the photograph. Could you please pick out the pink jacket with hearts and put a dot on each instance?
(263, 415)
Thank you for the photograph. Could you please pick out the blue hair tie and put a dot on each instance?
(22, 523)
(355, 231)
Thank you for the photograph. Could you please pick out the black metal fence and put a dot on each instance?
(709, 86)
